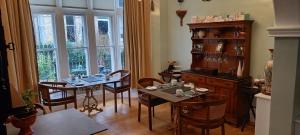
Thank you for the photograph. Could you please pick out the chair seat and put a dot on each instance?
(118, 85)
(57, 97)
(154, 101)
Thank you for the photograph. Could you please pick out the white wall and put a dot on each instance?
(180, 44)
(159, 36)
(155, 39)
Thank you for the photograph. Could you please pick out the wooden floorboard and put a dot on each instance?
(125, 121)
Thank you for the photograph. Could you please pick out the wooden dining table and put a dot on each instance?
(90, 84)
(168, 93)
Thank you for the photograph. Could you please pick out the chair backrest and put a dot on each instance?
(125, 77)
(209, 108)
(144, 82)
(45, 89)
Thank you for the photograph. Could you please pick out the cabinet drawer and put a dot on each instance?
(220, 83)
(193, 78)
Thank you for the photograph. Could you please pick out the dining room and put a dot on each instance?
(136, 67)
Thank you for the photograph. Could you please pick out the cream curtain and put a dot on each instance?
(137, 39)
(16, 18)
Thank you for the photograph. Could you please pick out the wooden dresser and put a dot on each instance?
(219, 51)
(236, 105)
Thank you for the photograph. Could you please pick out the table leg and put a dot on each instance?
(175, 126)
(90, 103)
(177, 121)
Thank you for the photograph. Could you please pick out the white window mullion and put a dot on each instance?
(61, 45)
(115, 41)
(92, 43)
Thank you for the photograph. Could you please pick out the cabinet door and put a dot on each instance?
(231, 101)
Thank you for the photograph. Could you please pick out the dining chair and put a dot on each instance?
(56, 93)
(206, 112)
(147, 100)
(120, 86)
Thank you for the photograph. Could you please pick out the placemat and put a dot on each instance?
(91, 79)
(173, 89)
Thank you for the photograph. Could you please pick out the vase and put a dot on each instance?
(268, 74)
(239, 72)
(181, 13)
(201, 34)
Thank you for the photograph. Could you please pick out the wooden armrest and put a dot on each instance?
(55, 83)
(112, 73)
(39, 106)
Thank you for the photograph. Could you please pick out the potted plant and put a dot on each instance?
(25, 116)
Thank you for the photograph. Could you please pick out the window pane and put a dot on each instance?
(104, 59)
(47, 65)
(74, 31)
(103, 30)
(70, 20)
(78, 61)
(76, 47)
(45, 45)
(44, 34)
(121, 3)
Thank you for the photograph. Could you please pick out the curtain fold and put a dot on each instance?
(137, 39)
(18, 29)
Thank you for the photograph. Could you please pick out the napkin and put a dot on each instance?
(151, 88)
(201, 89)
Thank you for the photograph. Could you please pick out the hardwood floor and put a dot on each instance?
(125, 121)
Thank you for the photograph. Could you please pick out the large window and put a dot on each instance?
(76, 44)
(46, 47)
(105, 48)
(110, 54)
(82, 38)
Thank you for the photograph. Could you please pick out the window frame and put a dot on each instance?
(56, 48)
(85, 38)
(89, 15)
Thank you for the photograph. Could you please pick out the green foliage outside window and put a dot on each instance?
(46, 64)
(77, 60)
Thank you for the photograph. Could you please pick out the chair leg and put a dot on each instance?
(253, 111)
(153, 111)
(115, 96)
(103, 96)
(203, 131)
(50, 108)
(129, 99)
(150, 117)
(172, 111)
(75, 100)
(139, 112)
(223, 129)
(75, 104)
(122, 97)
(180, 127)
(207, 131)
